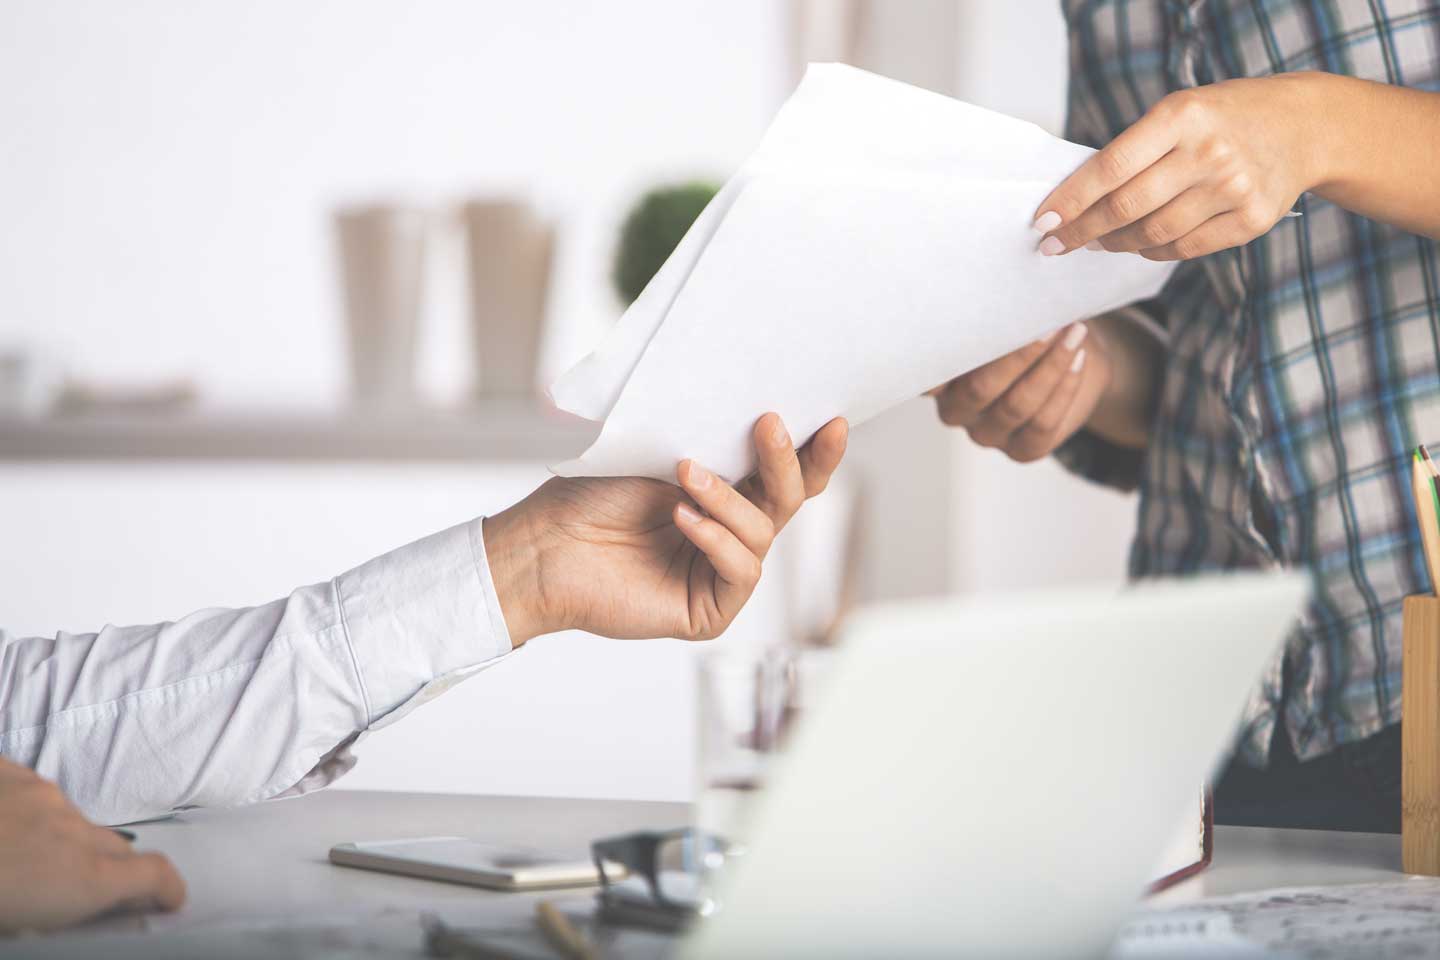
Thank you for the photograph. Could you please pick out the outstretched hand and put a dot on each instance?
(633, 557)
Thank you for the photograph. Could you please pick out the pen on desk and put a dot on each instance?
(561, 934)
(1427, 516)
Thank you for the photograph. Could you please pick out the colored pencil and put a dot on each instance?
(1427, 512)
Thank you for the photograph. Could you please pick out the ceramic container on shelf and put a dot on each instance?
(510, 248)
(382, 258)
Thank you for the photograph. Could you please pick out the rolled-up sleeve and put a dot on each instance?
(232, 706)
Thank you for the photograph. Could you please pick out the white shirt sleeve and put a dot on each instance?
(228, 707)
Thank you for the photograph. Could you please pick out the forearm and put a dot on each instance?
(134, 722)
(1378, 150)
(234, 706)
(1123, 414)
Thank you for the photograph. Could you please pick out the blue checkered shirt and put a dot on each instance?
(1300, 369)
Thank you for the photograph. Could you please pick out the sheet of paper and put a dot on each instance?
(1373, 921)
(876, 244)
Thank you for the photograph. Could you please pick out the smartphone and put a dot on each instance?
(459, 860)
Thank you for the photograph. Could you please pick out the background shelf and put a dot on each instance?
(489, 432)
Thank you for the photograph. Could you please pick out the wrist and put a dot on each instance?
(514, 554)
(1133, 355)
(1325, 109)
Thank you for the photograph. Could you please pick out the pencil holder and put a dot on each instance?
(1420, 736)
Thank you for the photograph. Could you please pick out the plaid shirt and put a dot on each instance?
(1300, 369)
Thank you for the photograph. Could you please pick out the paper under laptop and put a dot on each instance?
(876, 244)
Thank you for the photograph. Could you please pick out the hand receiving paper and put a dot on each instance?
(632, 557)
(1027, 403)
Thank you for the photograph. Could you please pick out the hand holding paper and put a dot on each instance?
(877, 243)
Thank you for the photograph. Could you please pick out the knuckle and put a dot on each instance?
(1122, 205)
(1013, 407)
(1171, 105)
(1238, 186)
(1046, 424)
(1184, 106)
(988, 436)
(1216, 152)
(1024, 450)
(1186, 248)
(975, 391)
(1254, 219)
(1114, 163)
(1069, 208)
(1154, 232)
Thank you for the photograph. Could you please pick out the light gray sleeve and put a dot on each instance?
(227, 707)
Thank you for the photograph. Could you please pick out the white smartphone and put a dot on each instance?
(458, 860)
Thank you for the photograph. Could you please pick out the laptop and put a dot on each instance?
(997, 778)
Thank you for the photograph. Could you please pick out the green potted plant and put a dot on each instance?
(653, 230)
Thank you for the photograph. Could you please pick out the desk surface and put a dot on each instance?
(270, 860)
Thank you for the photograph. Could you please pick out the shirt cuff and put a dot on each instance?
(422, 612)
(1101, 461)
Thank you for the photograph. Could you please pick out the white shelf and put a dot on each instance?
(487, 432)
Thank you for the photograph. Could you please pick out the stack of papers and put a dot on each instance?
(1370, 921)
(875, 245)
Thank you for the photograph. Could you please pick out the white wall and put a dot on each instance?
(169, 167)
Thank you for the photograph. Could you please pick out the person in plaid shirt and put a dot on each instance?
(1288, 153)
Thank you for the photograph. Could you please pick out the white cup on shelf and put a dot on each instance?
(382, 265)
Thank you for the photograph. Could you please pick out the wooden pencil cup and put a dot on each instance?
(1420, 736)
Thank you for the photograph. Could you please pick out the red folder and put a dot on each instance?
(1192, 849)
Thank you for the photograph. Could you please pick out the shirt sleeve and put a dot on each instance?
(233, 706)
(1085, 121)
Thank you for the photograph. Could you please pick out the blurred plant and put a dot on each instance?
(653, 230)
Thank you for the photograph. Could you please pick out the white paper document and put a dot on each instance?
(1371, 921)
(876, 244)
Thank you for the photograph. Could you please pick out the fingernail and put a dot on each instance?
(1046, 222)
(1095, 245)
(1051, 246)
(1078, 362)
(686, 513)
(1074, 335)
(778, 434)
(698, 476)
